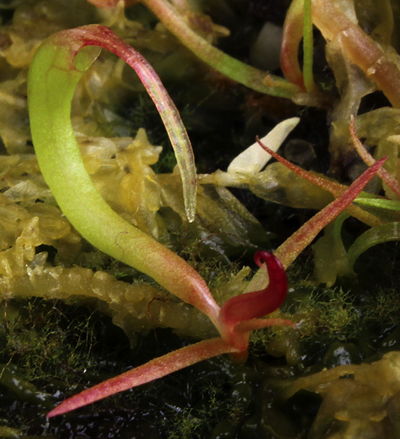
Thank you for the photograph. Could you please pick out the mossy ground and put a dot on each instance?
(61, 349)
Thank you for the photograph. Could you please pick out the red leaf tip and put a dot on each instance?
(258, 303)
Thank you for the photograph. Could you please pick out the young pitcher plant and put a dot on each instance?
(54, 73)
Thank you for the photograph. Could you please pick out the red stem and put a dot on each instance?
(359, 48)
(367, 158)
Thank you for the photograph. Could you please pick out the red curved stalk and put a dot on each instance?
(367, 158)
(335, 188)
(299, 240)
(238, 318)
(101, 36)
(292, 36)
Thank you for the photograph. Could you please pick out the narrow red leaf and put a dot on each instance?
(297, 242)
(154, 369)
(367, 158)
(335, 188)
(331, 186)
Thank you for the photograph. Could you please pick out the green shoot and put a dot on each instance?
(170, 15)
(298, 26)
(232, 68)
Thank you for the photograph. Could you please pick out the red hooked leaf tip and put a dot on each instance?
(258, 303)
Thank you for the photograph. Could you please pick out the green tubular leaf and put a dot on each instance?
(53, 76)
(375, 235)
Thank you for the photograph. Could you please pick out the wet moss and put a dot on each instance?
(60, 349)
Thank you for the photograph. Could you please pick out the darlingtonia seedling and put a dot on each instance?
(55, 71)
(236, 319)
(57, 68)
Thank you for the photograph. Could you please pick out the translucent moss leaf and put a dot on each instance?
(14, 129)
(330, 256)
(31, 226)
(25, 272)
(358, 400)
